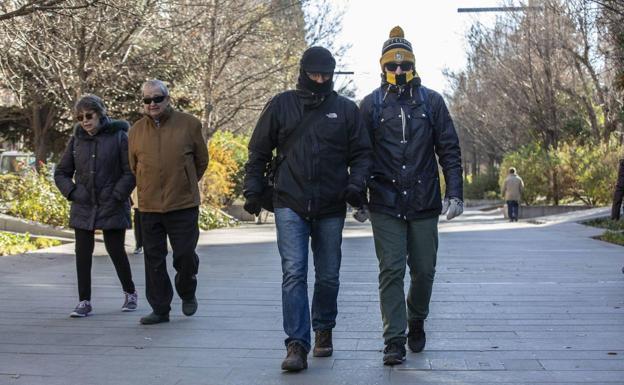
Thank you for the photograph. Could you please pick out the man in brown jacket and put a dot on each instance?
(512, 191)
(168, 155)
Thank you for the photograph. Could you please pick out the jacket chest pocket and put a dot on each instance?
(418, 123)
(331, 132)
(390, 125)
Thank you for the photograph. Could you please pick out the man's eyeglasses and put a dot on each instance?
(81, 117)
(155, 99)
(406, 66)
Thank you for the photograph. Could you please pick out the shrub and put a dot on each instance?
(34, 196)
(213, 218)
(591, 170)
(20, 243)
(224, 178)
(585, 172)
(481, 186)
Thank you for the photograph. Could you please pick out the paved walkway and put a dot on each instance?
(513, 303)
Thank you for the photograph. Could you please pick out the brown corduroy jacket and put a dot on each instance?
(168, 161)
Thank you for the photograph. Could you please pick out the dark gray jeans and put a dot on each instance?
(399, 243)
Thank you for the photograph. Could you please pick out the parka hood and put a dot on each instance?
(109, 127)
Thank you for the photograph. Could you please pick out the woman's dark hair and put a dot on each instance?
(90, 102)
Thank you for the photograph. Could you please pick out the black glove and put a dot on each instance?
(253, 204)
(354, 196)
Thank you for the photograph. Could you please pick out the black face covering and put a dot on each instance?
(307, 84)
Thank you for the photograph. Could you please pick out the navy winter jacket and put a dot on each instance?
(95, 176)
(404, 178)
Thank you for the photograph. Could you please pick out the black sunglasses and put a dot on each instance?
(81, 117)
(155, 99)
(406, 66)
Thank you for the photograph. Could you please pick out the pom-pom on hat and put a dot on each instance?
(396, 48)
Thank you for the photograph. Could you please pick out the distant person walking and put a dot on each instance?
(95, 176)
(512, 191)
(168, 155)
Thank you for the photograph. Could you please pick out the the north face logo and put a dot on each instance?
(332, 115)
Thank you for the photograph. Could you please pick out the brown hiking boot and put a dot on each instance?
(296, 358)
(416, 336)
(323, 343)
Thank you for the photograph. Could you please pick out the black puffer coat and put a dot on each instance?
(404, 181)
(332, 152)
(95, 176)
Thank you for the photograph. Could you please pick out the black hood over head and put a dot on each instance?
(316, 60)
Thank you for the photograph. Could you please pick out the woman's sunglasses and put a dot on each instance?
(155, 99)
(81, 117)
(406, 66)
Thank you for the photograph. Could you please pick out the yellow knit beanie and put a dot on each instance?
(396, 49)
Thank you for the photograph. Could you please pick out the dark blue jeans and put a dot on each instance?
(512, 210)
(293, 236)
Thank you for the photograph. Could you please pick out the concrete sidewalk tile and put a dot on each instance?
(517, 304)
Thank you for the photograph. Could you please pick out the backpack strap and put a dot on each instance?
(377, 107)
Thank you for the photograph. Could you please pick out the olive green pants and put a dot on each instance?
(399, 242)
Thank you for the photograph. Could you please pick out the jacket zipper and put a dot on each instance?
(403, 125)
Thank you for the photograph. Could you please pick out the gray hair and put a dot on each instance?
(156, 84)
(90, 102)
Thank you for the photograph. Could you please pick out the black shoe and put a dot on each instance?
(323, 343)
(416, 336)
(394, 354)
(189, 306)
(153, 318)
(296, 358)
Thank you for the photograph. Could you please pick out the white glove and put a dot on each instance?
(454, 207)
(362, 214)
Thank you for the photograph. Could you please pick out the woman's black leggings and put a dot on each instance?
(114, 243)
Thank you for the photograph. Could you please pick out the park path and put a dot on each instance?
(513, 303)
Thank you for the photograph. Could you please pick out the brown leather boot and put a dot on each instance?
(416, 336)
(323, 343)
(296, 358)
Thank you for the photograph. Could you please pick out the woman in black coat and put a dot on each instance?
(95, 176)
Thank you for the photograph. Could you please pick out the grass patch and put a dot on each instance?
(606, 223)
(613, 237)
(11, 243)
(615, 229)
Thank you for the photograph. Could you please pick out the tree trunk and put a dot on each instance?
(43, 117)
